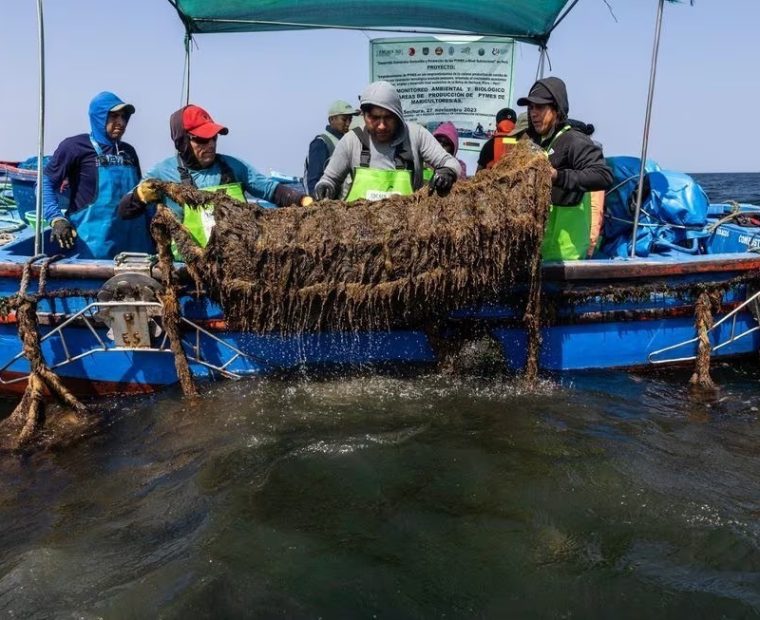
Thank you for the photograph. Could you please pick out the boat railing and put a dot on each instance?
(733, 336)
(191, 340)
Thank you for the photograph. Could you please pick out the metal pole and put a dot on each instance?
(647, 124)
(186, 76)
(39, 246)
(541, 63)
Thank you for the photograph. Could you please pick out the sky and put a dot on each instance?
(272, 89)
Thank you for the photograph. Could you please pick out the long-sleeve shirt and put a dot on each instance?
(255, 183)
(75, 163)
(319, 153)
(423, 147)
(580, 167)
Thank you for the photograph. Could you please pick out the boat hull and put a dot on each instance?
(598, 314)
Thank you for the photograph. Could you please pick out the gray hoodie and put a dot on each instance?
(423, 147)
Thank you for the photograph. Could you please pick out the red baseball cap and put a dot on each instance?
(198, 122)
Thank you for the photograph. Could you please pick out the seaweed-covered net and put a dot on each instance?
(370, 265)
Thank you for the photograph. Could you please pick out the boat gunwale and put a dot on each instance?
(578, 270)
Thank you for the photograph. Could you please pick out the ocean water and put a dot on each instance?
(738, 187)
(597, 495)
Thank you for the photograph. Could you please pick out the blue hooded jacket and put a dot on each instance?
(74, 161)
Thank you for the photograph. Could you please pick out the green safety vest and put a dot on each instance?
(375, 184)
(566, 236)
(199, 222)
(427, 174)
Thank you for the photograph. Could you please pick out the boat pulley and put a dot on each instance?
(129, 302)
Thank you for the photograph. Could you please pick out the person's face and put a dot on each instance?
(543, 117)
(204, 150)
(381, 123)
(116, 124)
(447, 145)
(340, 123)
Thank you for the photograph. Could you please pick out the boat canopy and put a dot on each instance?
(526, 20)
(531, 21)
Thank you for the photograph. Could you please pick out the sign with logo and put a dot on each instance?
(465, 80)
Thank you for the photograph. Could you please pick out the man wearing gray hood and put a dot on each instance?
(578, 168)
(388, 155)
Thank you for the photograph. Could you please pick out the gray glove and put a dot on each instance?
(63, 233)
(442, 181)
(324, 192)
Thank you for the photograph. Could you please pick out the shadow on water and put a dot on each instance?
(600, 495)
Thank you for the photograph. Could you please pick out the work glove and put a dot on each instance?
(286, 196)
(63, 233)
(324, 192)
(147, 192)
(442, 181)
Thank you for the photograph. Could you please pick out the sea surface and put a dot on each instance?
(595, 495)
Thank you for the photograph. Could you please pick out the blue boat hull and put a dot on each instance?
(600, 317)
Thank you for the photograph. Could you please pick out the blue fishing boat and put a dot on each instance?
(639, 302)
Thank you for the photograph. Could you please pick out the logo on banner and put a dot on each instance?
(412, 51)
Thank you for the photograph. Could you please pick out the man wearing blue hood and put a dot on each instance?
(99, 169)
(388, 155)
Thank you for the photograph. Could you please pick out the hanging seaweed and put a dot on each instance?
(399, 262)
(170, 309)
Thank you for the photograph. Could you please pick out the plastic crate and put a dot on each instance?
(23, 185)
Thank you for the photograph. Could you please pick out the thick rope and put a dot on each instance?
(169, 299)
(708, 302)
(21, 427)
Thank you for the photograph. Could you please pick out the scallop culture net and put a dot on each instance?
(398, 262)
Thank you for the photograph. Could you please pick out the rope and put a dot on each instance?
(708, 303)
(22, 426)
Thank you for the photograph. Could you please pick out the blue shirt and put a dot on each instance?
(253, 182)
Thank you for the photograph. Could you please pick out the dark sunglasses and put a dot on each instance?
(199, 140)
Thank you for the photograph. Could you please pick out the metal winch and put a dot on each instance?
(128, 302)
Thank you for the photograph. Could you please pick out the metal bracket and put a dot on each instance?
(87, 315)
(733, 336)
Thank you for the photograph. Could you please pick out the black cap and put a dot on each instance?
(506, 114)
(539, 94)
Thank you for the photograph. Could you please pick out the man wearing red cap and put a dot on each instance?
(198, 164)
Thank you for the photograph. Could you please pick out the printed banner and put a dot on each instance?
(465, 80)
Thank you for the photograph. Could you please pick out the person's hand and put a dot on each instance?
(307, 201)
(442, 181)
(323, 192)
(63, 233)
(147, 191)
(554, 174)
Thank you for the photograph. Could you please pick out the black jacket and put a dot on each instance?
(580, 167)
(578, 160)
